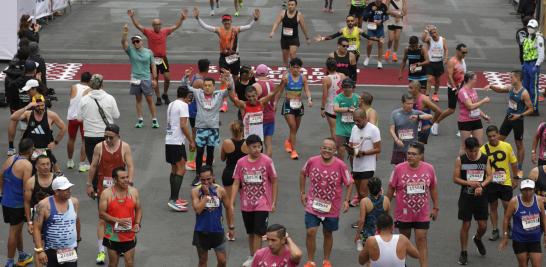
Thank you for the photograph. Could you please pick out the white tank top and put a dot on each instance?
(392, 20)
(332, 92)
(387, 253)
(74, 105)
(436, 50)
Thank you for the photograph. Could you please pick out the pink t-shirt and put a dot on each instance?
(264, 258)
(412, 188)
(157, 41)
(541, 132)
(325, 193)
(465, 114)
(256, 192)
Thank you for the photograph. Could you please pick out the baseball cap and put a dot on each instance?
(31, 65)
(347, 83)
(226, 17)
(136, 36)
(61, 183)
(532, 23)
(527, 183)
(32, 83)
(262, 70)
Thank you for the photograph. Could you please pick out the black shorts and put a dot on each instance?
(470, 125)
(497, 191)
(526, 247)
(119, 247)
(287, 110)
(175, 153)
(205, 241)
(13, 216)
(286, 43)
(471, 206)
(363, 175)
(255, 222)
(227, 176)
(357, 11)
(233, 67)
(422, 136)
(435, 69)
(410, 225)
(508, 125)
(452, 98)
(52, 260)
(333, 116)
(541, 162)
(90, 143)
(192, 122)
(163, 67)
(394, 27)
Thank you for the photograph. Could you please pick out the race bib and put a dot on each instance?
(530, 222)
(474, 175)
(66, 255)
(107, 182)
(437, 53)
(37, 152)
(287, 31)
(295, 103)
(405, 134)
(135, 81)
(415, 188)
(158, 60)
(352, 47)
(499, 177)
(232, 58)
(372, 26)
(321, 205)
(253, 178)
(255, 119)
(212, 202)
(347, 117)
(120, 228)
(475, 113)
(512, 104)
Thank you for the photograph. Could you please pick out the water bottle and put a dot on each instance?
(359, 246)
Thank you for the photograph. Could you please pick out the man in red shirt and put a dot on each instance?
(157, 42)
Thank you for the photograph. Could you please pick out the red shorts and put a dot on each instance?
(73, 126)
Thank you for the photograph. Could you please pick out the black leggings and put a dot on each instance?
(199, 158)
(328, 4)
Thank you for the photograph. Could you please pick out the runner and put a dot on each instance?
(539, 141)
(371, 207)
(378, 14)
(424, 104)
(533, 55)
(207, 201)
(538, 175)
(119, 207)
(357, 10)
(473, 173)
(232, 150)
(502, 159)
(366, 100)
(519, 106)
(456, 69)
(344, 107)
(387, 249)
(157, 42)
(264, 86)
(414, 182)
(238, 5)
(290, 18)
(245, 79)
(417, 58)
(57, 227)
(345, 60)
(437, 55)
(404, 128)
(324, 198)
(38, 187)
(256, 176)
(212, 6)
(76, 93)
(394, 25)
(16, 171)
(40, 121)
(528, 225)
(328, 6)
(107, 155)
(331, 87)
(177, 136)
(292, 108)
(281, 249)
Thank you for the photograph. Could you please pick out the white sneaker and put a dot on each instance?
(83, 167)
(212, 12)
(458, 134)
(434, 129)
(366, 61)
(379, 65)
(248, 261)
(11, 152)
(70, 164)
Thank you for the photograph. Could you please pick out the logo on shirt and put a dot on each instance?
(38, 130)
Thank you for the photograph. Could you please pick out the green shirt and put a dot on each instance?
(344, 120)
(141, 60)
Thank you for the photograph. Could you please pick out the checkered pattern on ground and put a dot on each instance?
(58, 71)
(499, 78)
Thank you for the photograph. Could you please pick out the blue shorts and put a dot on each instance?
(207, 137)
(330, 224)
(379, 33)
(269, 129)
(144, 88)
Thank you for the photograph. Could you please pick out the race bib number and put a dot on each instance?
(372, 26)
(66, 255)
(405, 134)
(415, 188)
(475, 113)
(232, 58)
(474, 175)
(287, 31)
(512, 104)
(347, 117)
(530, 222)
(212, 202)
(295, 103)
(321, 205)
(121, 228)
(437, 53)
(207, 103)
(352, 47)
(253, 178)
(107, 182)
(158, 60)
(255, 119)
(135, 81)
(499, 177)
(37, 152)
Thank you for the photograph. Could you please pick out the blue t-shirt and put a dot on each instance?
(141, 60)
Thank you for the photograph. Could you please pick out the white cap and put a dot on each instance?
(61, 183)
(30, 84)
(532, 23)
(527, 183)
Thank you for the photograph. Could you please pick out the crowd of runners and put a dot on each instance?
(35, 193)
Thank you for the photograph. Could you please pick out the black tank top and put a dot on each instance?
(39, 132)
(415, 56)
(39, 192)
(233, 157)
(290, 24)
(540, 185)
(473, 170)
(343, 63)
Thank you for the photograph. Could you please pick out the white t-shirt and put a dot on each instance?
(366, 137)
(176, 110)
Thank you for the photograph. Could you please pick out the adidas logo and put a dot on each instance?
(38, 130)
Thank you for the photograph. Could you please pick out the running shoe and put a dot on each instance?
(540, 98)
(181, 202)
(387, 55)
(494, 235)
(100, 258)
(139, 124)
(172, 205)
(394, 57)
(212, 12)
(11, 152)
(224, 107)
(324, 9)
(248, 261)
(24, 259)
(229, 238)
(379, 64)
(434, 129)
(310, 264)
(287, 146)
(70, 164)
(326, 263)
(479, 244)
(435, 97)
(83, 167)
(331, 11)
(166, 99)
(158, 101)
(366, 61)
(354, 225)
(190, 165)
(458, 134)
(236, 13)
(294, 155)
(196, 181)
(155, 124)
(463, 258)
(354, 201)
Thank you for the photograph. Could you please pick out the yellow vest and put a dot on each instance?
(353, 37)
(530, 51)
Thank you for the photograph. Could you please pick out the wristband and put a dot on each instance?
(231, 228)
(38, 250)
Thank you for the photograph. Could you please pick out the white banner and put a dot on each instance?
(43, 9)
(59, 5)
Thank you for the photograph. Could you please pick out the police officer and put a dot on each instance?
(533, 55)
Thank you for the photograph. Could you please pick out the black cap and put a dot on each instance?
(347, 82)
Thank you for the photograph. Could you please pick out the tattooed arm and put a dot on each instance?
(41, 213)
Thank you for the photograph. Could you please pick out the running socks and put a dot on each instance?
(101, 247)
(176, 183)
(10, 144)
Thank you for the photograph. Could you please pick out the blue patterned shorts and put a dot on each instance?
(207, 137)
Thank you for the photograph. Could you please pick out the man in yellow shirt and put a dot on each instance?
(502, 160)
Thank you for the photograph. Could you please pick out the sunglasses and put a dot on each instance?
(345, 46)
(136, 41)
(464, 53)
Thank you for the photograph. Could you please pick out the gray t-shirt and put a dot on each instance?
(208, 107)
(405, 128)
